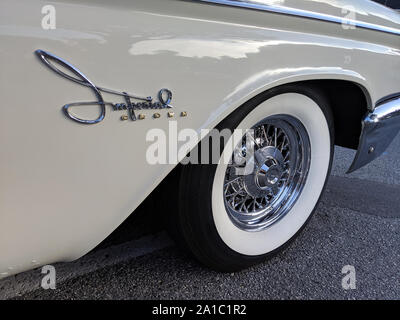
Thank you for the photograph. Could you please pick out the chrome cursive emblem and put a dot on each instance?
(164, 95)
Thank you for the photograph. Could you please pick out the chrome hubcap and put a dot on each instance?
(279, 164)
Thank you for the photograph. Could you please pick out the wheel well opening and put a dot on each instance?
(349, 105)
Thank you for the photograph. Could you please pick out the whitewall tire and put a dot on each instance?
(229, 230)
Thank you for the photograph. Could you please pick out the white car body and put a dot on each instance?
(65, 186)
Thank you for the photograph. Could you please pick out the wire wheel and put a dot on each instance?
(267, 172)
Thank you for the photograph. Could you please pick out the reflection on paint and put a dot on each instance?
(236, 48)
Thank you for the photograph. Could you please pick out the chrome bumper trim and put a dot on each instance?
(379, 128)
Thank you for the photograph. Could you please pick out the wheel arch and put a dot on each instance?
(349, 101)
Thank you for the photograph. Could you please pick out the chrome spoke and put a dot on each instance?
(231, 181)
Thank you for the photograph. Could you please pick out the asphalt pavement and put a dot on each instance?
(356, 224)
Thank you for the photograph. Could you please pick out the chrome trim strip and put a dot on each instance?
(387, 98)
(379, 128)
(251, 4)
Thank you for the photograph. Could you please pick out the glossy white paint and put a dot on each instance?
(65, 186)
